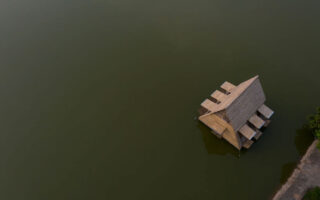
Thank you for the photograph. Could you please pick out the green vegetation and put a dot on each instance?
(314, 125)
(312, 194)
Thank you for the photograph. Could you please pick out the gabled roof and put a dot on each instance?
(242, 102)
(234, 112)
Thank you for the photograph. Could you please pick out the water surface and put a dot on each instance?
(99, 98)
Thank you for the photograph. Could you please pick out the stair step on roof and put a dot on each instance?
(209, 105)
(227, 86)
(265, 111)
(256, 121)
(247, 132)
(220, 96)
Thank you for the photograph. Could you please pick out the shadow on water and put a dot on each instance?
(286, 171)
(303, 140)
(215, 145)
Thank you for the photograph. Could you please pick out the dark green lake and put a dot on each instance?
(99, 97)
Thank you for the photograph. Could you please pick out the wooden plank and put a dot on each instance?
(209, 105)
(213, 124)
(247, 132)
(266, 111)
(247, 144)
(202, 111)
(258, 135)
(218, 95)
(256, 121)
(267, 122)
(227, 86)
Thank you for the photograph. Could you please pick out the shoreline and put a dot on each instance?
(305, 176)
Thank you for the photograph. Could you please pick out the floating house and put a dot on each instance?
(237, 113)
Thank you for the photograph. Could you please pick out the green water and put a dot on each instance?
(99, 97)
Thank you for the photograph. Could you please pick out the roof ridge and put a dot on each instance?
(235, 94)
(251, 80)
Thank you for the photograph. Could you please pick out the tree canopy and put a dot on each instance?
(314, 125)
